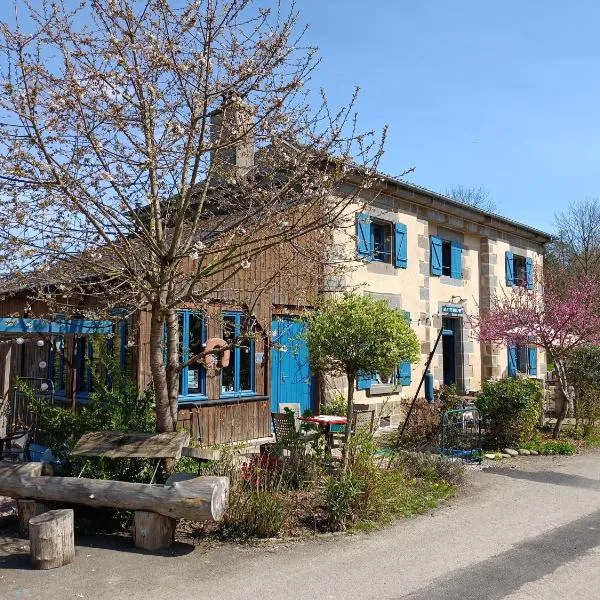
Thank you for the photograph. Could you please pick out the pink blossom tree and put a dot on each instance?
(558, 316)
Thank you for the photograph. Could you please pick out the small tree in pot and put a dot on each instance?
(353, 333)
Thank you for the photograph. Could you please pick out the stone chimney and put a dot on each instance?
(232, 134)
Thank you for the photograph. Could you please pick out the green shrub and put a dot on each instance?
(551, 447)
(511, 409)
(116, 407)
(253, 513)
(336, 405)
(430, 467)
(583, 372)
(342, 496)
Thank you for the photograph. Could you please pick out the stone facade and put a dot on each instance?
(484, 239)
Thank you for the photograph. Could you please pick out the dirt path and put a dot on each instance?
(527, 533)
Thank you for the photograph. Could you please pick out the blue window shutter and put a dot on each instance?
(363, 381)
(404, 373)
(510, 268)
(532, 359)
(364, 244)
(455, 260)
(529, 272)
(513, 360)
(436, 255)
(400, 243)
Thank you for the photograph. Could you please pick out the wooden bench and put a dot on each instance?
(156, 507)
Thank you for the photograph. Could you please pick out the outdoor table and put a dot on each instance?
(324, 423)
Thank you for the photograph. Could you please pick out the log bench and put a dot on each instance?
(156, 508)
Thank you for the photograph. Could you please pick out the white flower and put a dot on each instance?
(245, 264)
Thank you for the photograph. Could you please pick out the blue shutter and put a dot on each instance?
(510, 268)
(436, 255)
(513, 360)
(404, 373)
(532, 359)
(400, 243)
(529, 272)
(364, 245)
(455, 260)
(364, 380)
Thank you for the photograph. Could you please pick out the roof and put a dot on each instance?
(489, 217)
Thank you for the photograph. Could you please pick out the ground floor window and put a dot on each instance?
(522, 359)
(238, 377)
(192, 337)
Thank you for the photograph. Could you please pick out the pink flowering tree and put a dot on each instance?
(558, 316)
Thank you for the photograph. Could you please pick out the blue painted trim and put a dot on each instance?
(191, 398)
(185, 355)
(236, 351)
(72, 326)
(241, 394)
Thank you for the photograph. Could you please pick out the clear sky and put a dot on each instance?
(499, 94)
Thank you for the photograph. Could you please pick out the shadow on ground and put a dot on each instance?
(551, 477)
(500, 575)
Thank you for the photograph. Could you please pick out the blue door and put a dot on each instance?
(290, 369)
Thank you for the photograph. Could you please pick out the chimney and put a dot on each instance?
(232, 133)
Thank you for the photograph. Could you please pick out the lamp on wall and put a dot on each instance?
(457, 300)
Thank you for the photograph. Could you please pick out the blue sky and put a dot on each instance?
(499, 94)
(503, 95)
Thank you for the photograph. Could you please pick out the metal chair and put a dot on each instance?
(15, 445)
(286, 434)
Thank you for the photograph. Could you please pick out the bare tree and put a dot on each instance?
(152, 149)
(477, 197)
(576, 246)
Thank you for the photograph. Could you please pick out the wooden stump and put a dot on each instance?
(152, 531)
(28, 508)
(52, 539)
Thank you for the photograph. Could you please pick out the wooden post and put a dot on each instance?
(152, 531)
(27, 509)
(52, 539)
(6, 357)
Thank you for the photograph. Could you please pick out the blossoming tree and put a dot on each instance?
(558, 316)
(151, 147)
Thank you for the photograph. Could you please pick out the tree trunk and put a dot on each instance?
(28, 508)
(349, 414)
(567, 394)
(198, 499)
(173, 362)
(164, 418)
(152, 531)
(52, 539)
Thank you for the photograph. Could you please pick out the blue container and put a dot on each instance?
(428, 387)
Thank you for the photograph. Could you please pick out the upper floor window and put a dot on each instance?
(519, 270)
(238, 376)
(192, 337)
(445, 257)
(381, 241)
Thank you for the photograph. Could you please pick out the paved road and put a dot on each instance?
(528, 533)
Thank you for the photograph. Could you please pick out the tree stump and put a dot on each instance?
(52, 539)
(152, 531)
(28, 508)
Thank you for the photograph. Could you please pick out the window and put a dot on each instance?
(88, 351)
(238, 377)
(445, 257)
(519, 270)
(381, 241)
(192, 337)
(522, 359)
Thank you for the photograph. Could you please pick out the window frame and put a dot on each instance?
(519, 270)
(235, 354)
(446, 256)
(382, 231)
(184, 333)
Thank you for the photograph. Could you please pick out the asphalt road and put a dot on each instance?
(528, 533)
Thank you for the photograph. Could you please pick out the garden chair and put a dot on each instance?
(286, 433)
(362, 420)
(15, 445)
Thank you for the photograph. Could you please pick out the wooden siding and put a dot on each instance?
(227, 422)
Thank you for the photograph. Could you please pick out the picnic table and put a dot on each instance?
(324, 423)
(120, 444)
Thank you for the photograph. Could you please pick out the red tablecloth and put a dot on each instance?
(324, 420)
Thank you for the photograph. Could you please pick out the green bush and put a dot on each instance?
(583, 372)
(118, 406)
(253, 513)
(550, 447)
(337, 405)
(342, 496)
(511, 409)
